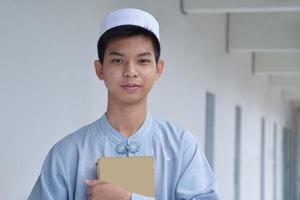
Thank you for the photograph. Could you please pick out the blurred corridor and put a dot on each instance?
(232, 77)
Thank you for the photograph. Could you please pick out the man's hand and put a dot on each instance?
(100, 190)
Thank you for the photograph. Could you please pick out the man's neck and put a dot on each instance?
(126, 119)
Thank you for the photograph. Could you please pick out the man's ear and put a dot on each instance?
(98, 69)
(159, 68)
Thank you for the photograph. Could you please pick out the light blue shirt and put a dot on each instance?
(181, 169)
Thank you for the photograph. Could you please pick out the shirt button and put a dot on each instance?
(133, 147)
(121, 149)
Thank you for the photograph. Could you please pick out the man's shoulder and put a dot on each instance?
(170, 131)
(77, 138)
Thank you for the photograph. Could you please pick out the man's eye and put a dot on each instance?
(117, 61)
(144, 61)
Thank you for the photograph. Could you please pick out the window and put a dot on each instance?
(262, 161)
(209, 128)
(274, 161)
(237, 144)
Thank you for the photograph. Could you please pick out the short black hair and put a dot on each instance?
(126, 31)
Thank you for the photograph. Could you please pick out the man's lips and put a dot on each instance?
(131, 87)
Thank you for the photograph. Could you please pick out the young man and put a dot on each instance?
(129, 64)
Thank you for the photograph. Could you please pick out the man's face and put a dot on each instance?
(129, 69)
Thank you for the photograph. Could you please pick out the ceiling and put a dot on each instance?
(270, 30)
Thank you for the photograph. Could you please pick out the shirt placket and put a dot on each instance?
(128, 148)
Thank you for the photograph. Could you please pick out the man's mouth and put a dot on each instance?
(131, 87)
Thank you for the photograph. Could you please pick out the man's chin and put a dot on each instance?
(133, 100)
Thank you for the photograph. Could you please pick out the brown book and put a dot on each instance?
(135, 174)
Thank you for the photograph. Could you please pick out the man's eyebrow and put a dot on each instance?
(145, 54)
(116, 53)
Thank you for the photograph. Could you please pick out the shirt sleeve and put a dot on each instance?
(197, 181)
(135, 196)
(51, 182)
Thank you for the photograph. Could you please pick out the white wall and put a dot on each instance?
(48, 87)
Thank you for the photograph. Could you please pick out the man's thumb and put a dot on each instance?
(92, 182)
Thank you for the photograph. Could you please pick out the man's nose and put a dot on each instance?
(130, 70)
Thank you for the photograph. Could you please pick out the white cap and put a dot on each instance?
(130, 16)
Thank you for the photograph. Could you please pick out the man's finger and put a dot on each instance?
(89, 192)
(92, 182)
(103, 182)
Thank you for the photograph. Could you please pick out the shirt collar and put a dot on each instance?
(105, 127)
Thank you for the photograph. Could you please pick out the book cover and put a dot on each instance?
(135, 174)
